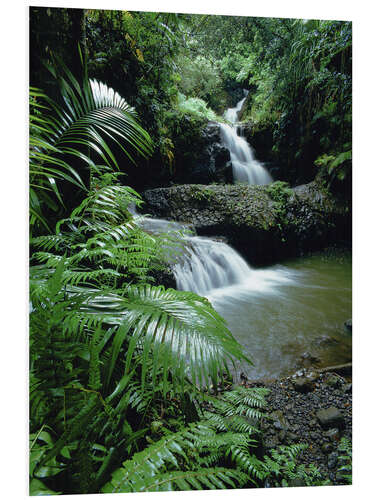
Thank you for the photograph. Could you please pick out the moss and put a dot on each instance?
(202, 194)
(280, 193)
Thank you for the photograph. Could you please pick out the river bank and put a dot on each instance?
(315, 409)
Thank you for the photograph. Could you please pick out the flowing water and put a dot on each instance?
(280, 314)
(246, 168)
(290, 312)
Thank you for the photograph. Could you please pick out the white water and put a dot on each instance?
(246, 168)
(278, 313)
(211, 268)
(214, 269)
(275, 313)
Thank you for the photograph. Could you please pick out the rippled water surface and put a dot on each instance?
(286, 313)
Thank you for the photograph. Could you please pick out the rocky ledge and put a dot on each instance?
(262, 228)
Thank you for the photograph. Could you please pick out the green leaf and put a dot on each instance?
(37, 488)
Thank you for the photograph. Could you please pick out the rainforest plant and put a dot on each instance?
(212, 453)
(345, 461)
(93, 335)
(125, 375)
(97, 326)
(106, 347)
(71, 140)
(281, 468)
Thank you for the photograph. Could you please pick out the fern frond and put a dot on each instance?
(249, 463)
(250, 397)
(210, 478)
(149, 462)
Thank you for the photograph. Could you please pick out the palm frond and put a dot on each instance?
(177, 329)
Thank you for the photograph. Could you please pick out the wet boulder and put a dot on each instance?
(260, 228)
(303, 384)
(202, 158)
(330, 417)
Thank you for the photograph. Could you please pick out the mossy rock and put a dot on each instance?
(264, 223)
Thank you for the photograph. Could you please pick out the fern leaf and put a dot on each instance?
(210, 478)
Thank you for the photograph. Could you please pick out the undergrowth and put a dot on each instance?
(280, 193)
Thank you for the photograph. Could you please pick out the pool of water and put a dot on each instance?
(290, 313)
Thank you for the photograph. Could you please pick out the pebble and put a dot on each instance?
(300, 409)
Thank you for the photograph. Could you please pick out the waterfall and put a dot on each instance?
(246, 168)
(214, 269)
(210, 267)
(208, 264)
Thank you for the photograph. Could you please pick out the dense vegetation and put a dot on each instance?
(178, 71)
(124, 374)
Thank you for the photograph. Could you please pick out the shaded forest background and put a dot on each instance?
(181, 70)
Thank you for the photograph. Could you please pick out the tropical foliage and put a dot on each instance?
(129, 381)
(105, 345)
(77, 132)
(298, 73)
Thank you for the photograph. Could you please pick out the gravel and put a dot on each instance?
(298, 410)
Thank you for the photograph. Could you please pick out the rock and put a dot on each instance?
(327, 448)
(310, 358)
(333, 381)
(313, 376)
(333, 434)
(332, 460)
(247, 213)
(279, 421)
(270, 442)
(347, 388)
(209, 161)
(348, 325)
(282, 436)
(164, 277)
(303, 384)
(330, 417)
(292, 437)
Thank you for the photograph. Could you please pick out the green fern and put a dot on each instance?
(92, 115)
(211, 479)
(189, 458)
(94, 338)
(281, 468)
(146, 470)
(237, 410)
(149, 461)
(345, 460)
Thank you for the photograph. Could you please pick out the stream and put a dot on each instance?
(292, 315)
(286, 316)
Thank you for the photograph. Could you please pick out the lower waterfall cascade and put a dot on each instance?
(277, 313)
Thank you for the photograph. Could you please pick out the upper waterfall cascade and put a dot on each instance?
(246, 168)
